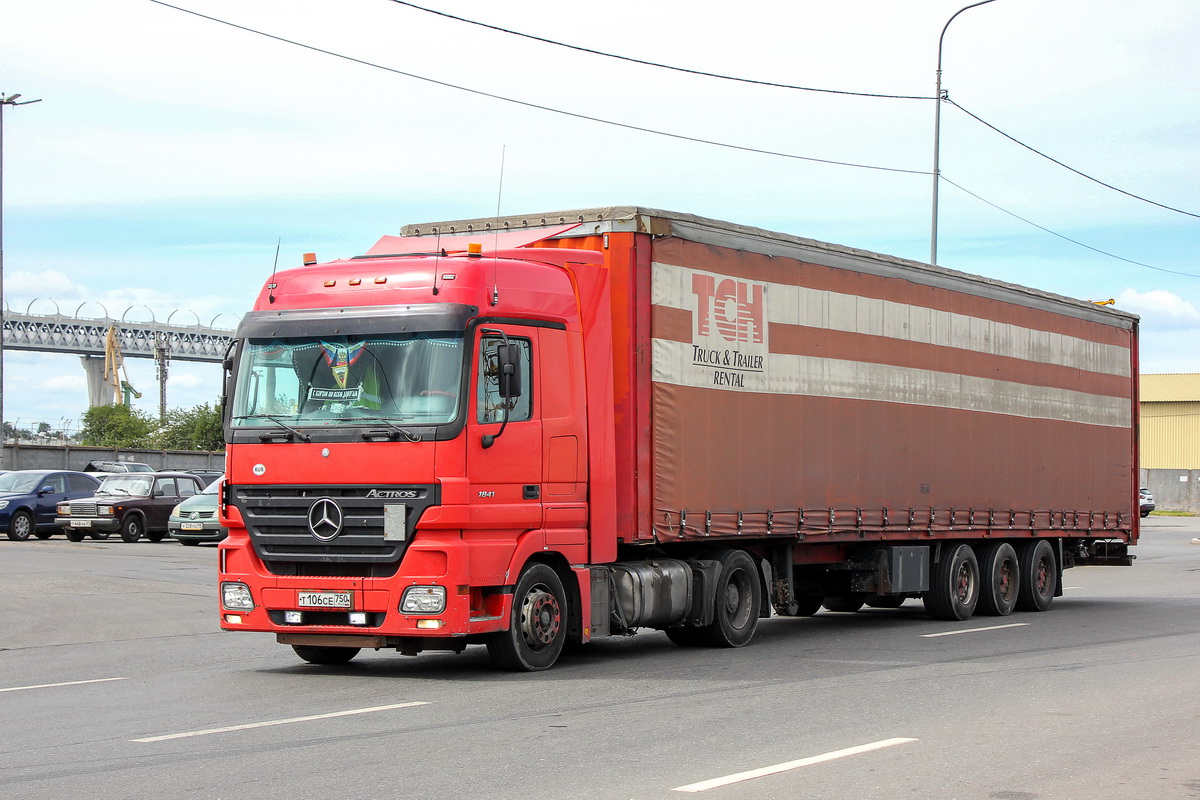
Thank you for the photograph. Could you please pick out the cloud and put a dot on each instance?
(1160, 309)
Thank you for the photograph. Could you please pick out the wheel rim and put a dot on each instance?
(964, 584)
(1007, 583)
(1041, 578)
(541, 618)
(738, 594)
(21, 526)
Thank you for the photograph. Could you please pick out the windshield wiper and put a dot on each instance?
(407, 434)
(287, 433)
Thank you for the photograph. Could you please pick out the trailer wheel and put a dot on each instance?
(954, 588)
(537, 629)
(684, 637)
(1038, 575)
(999, 579)
(805, 605)
(844, 603)
(325, 655)
(738, 599)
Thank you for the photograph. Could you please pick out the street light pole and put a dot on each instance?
(5, 100)
(937, 133)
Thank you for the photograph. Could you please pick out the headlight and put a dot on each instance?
(175, 511)
(104, 511)
(236, 597)
(3, 504)
(423, 600)
(63, 510)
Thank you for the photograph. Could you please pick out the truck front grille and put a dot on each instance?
(278, 520)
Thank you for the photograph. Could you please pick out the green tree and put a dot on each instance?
(114, 426)
(197, 428)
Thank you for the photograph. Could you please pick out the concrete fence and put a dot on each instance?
(1174, 489)
(58, 456)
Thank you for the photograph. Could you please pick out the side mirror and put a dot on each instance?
(47, 489)
(509, 356)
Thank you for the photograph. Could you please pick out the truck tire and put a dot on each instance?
(844, 603)
(325, 655)
(684, 637)
(131, 528)
(1037, 574)
(20, 527)
(954, 586)
(73, 534)
(537, 626)
(738, 600)
(999, 579)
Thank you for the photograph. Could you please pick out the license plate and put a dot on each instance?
(324, 599)
(81, 523)
(191, 526)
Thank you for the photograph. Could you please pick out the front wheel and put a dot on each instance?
(325, 655)
(20, 526)
(73, 534)
(738, 600)
(46, 534)
(954, 586)
(537, 625)
(156, 536)
(131, 528)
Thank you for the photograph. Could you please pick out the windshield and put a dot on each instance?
(409, 379)
(126, 485)
(18, 482)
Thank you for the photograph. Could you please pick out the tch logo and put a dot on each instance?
(735, 308)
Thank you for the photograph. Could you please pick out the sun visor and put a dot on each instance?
(457, 243)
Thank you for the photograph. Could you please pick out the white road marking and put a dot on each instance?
(975, 630)
(269, 723)
(67, 683)
(704, 786)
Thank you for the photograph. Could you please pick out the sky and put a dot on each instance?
(172, 154)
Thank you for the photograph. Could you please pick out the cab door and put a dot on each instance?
(504, 430)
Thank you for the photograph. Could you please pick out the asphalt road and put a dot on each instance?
(115, 683)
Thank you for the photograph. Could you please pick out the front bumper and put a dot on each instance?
(210, 531)
(89, 523)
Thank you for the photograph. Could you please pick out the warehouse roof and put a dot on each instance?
(1175, 388)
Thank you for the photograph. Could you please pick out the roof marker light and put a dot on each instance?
(474, 249)
(310, 259)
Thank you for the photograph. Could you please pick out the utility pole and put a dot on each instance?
(5, 100)
(162, 357)
(937, 133)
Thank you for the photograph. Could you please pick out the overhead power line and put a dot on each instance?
(527, 104)
(1067, 166)
(773, 84)
(1061, 236)
(643, 62)
(641, 129)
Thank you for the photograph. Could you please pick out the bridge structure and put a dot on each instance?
(87, 338)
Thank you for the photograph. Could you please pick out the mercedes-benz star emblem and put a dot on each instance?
(325, 519)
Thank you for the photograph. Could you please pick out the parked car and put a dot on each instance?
(135, 504)
(28, 499)
(117, 466)
(206, 476)
(195, 519)
(1147, 501)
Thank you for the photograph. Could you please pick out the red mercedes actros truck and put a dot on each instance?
(524, 431)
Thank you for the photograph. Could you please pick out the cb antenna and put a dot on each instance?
(271, 286)
(496, 230)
